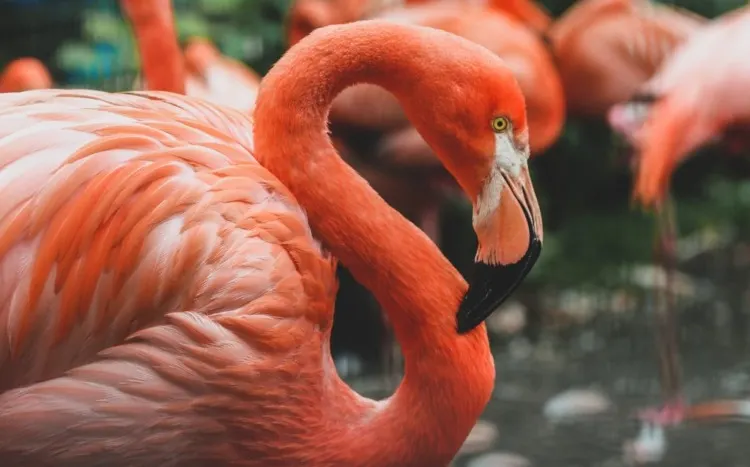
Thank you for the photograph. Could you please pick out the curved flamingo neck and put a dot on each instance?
(156, 37)
(448, 377)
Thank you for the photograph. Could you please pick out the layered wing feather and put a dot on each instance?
(116, 209)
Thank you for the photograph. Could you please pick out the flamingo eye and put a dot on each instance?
(500, 124)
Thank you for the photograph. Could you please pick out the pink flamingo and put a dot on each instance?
(166, 302)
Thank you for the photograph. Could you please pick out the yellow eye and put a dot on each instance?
(500, 124)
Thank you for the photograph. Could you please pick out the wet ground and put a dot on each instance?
(629, 380)
(616, 356)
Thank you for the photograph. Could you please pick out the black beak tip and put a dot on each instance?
(465, 322)
(491, 285)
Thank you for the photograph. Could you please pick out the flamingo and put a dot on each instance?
(167, 303)
(686, 114)
(24, 74)
(402, 167)
(528, 12)
(402, 153)
(606, 49)
(403, 147)
(223, 81)
(305, 16)
(153, 25)
(202, 72)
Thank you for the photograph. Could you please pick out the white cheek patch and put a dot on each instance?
(509, 159)
(507, 156)
(489, 198)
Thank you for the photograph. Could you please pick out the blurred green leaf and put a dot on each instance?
(191, 24)
(104, 27)
(76, 55)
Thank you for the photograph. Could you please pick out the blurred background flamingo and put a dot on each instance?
(606, 49)
(24, 74)
(684, 115)
(202, 72)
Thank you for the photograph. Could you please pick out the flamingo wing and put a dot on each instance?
(607, 48)
(195, 390)
(118, 209)
(694, 111)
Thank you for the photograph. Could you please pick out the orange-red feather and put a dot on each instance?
(139, 205)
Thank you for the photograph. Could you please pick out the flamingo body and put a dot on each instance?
(149, 211)
(145, 216)
(606, 49)
(692, 112)
(304, 16)
(527, 12)
(201, 71)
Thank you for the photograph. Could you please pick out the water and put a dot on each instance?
(615, 354)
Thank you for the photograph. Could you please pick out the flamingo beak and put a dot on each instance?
(510, 242)
(628, 118)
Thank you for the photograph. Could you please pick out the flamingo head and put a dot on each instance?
(478, 129)
(25, 74)
(628, 118)
(677, 125)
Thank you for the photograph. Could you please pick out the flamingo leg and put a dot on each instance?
(673, 411)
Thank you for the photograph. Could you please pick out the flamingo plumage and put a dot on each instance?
(606, 49)
(696, 96)
(528, 12)
(23, 74)
(304, 16)
(155, 34)
(688, 113)
(168, 302)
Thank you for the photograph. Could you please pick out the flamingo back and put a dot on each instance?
(606, 49)
(118, 209)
